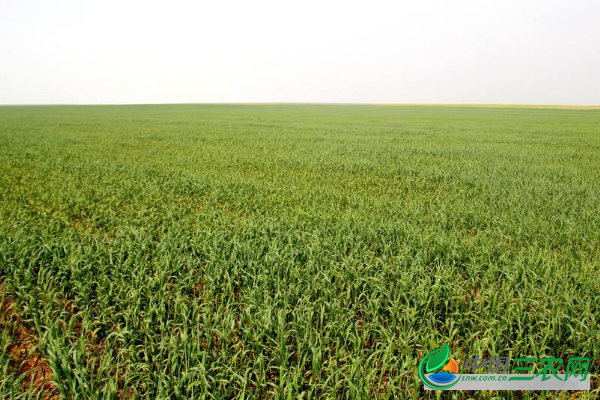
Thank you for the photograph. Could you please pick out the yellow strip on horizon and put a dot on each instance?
(475, 105)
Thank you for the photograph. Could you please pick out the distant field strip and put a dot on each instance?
(531, 106)
(292, 251)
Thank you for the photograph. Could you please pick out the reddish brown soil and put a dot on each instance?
(26, 360)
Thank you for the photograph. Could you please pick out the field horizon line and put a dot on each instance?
(449, 105)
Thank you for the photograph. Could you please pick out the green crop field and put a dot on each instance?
(291, 251)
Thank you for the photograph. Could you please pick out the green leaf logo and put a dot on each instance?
(433, 361)
(437, 358)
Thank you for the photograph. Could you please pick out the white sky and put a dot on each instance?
(418, 51)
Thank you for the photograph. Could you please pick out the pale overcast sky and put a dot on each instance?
(419, 51)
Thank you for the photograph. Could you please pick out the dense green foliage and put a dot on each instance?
(193, 251)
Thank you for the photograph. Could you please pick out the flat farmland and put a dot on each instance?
(291, 251)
